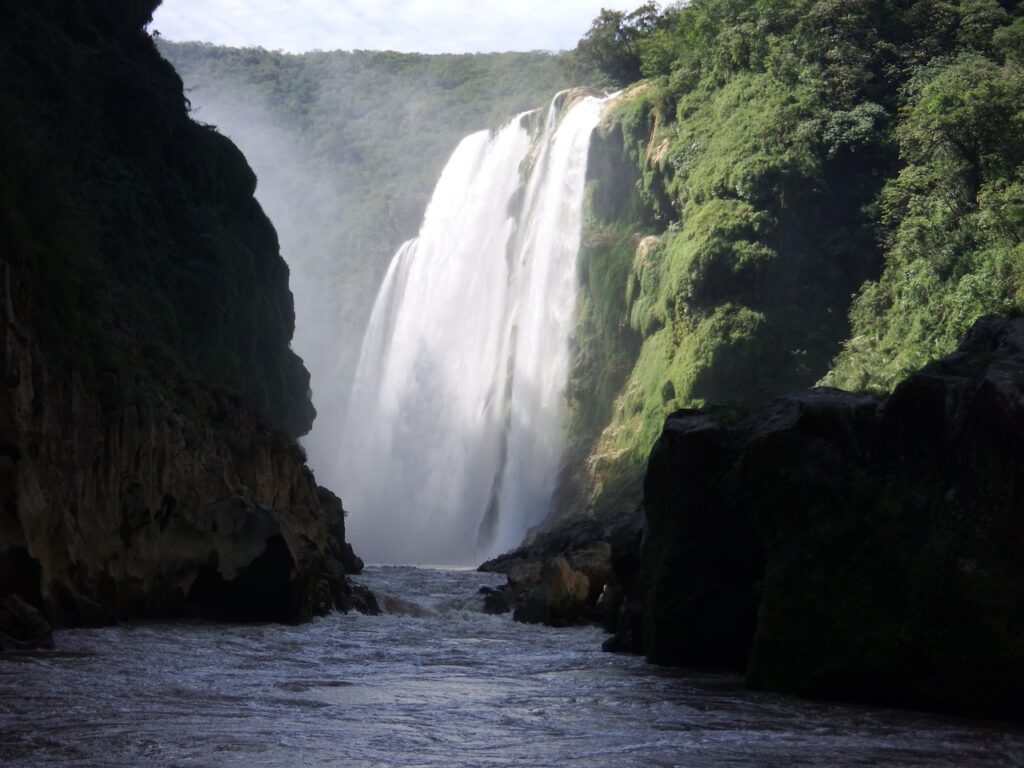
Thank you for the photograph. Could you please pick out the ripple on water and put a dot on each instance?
(444, 685)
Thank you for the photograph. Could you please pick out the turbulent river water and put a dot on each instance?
(442, 685)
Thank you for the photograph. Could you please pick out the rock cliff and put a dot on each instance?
(835, 544)
(148, 398)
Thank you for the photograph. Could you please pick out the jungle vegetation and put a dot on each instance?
(821, 191)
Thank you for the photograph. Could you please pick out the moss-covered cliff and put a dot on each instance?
(145, 321)
(780, 160)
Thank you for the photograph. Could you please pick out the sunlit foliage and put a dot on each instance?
(792, 154)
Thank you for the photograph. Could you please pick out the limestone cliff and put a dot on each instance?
(148, 390)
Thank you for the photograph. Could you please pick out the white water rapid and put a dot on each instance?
(453, 440)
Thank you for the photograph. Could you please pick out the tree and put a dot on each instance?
(613, 47)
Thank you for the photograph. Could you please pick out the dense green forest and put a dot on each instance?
(347, 147)
(821, 190)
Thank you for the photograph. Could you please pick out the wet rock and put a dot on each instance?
(594, 562)
(621, 604)
(496, 601)
(22, 626)
(558, 598)
(397, 606)
(523, 575)
(364, 600)
(335, 514)
(583, 547)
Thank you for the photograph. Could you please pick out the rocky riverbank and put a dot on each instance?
(841, 545)
(557, 578)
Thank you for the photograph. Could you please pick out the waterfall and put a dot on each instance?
(453, 439)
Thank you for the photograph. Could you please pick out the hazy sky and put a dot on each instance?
(426, 26)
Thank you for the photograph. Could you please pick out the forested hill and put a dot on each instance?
(827, 190)
(347, 147)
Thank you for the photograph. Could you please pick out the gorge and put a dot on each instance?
(782, 196)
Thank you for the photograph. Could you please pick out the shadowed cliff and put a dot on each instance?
(145, 322)
(834, 544)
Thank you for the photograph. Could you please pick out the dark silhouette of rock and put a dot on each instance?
(148, 393)
(335, 512)
(622, 606)
(835, 544)
(496, 601)
(701, 555)
(22, 627)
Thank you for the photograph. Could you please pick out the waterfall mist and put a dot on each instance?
(452, 442)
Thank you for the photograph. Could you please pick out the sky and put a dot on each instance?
(423, 26)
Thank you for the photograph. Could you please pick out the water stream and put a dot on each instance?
(454, 435)
(444, 685)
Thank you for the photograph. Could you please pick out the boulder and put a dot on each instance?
(593, 561)
(558, 598)
(550, 559)
(335, 514)
(496, 601)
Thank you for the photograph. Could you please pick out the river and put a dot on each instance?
(443, 685)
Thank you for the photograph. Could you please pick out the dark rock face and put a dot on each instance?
(148, 395)
(701, 558)
(495, 601)
(838, 545)
(335, 518)
(22, 626)
(621, 603)
(153, 511)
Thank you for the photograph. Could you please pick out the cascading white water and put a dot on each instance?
(453, 439)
